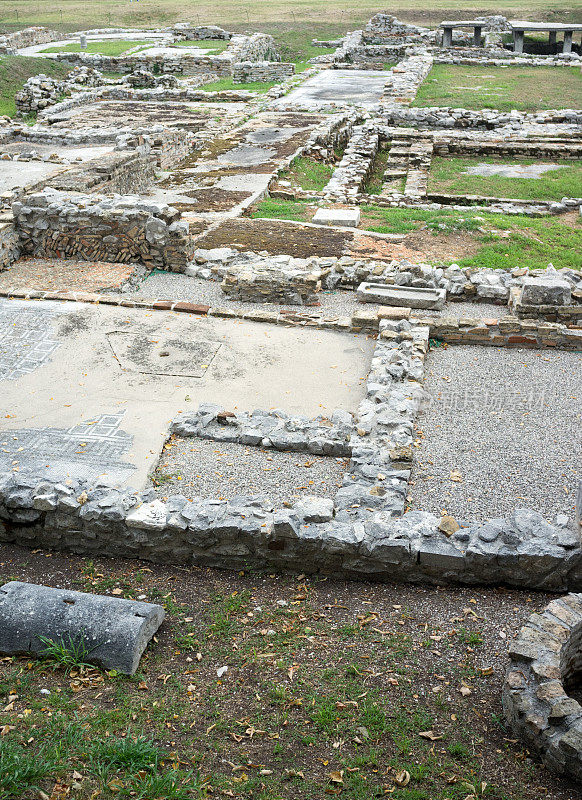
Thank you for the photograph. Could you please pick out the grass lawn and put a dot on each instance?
(448, 175)
(228, 85)
(351, 690)
(502, 88)
(115, 47)
(216, 45)
(350, 14)
(16, 70)
(308, 173)
(506, 241)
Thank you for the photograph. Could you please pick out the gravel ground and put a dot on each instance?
(340, 302)
(474, 310)
(510, 422)
(173, 286)
(217, 469)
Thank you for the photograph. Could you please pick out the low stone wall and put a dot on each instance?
(183, 63)
(27, 38)
(350, 175)
(324, 436)
(121, 172)
(448, 117)
(505, 332)
(258, 47)
(9, 245)
(262, 71)
(383, 27)
(545, 662)
(406, 77)
(54, 224)
(271, 284)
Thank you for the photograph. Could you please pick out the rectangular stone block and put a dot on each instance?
(406, 296)
(349, 217)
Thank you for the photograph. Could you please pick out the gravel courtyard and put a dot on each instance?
(503, 429)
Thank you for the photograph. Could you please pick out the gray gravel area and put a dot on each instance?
(473, 310)
(201, 468)
(174, 286)
(509, 422)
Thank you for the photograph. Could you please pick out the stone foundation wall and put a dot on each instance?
(182, 64)
(545, 659)
(9, 245)
(262, 71)
(112, 173)
(363, 532)
(54, 224)
(448, 117)
(27, 38)
(273, 285)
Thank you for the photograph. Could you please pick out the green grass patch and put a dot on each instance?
(308, 173)
(16, 70)
(501, 88)
(448, 175)
(228, 85)
(505, 241)
(283, 209)
(216, 45)
(115, 47)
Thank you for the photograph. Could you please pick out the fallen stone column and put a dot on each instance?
(109, 632)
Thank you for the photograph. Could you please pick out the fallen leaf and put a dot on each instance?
(430, 735)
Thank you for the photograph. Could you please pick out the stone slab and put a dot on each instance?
(545, 291)
(350, 217)
(114, 632)
(406, 296)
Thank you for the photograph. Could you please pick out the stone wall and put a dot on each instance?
(273, 284)
(262, 71)
(449, 117)
(54, 224)
(27, 38)
(118, 172)
(545, 664)
(258, 47)
(9, 245)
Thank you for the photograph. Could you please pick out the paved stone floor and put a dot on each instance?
(65, 365)
(509, 422)
(57, 274)
(338, 87)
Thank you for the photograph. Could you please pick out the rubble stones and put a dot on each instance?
(545, 664)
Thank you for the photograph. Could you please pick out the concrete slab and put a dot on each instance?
(350, 217)
(114, 632)
(407, 296)
(70, 406)
(340, 87)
